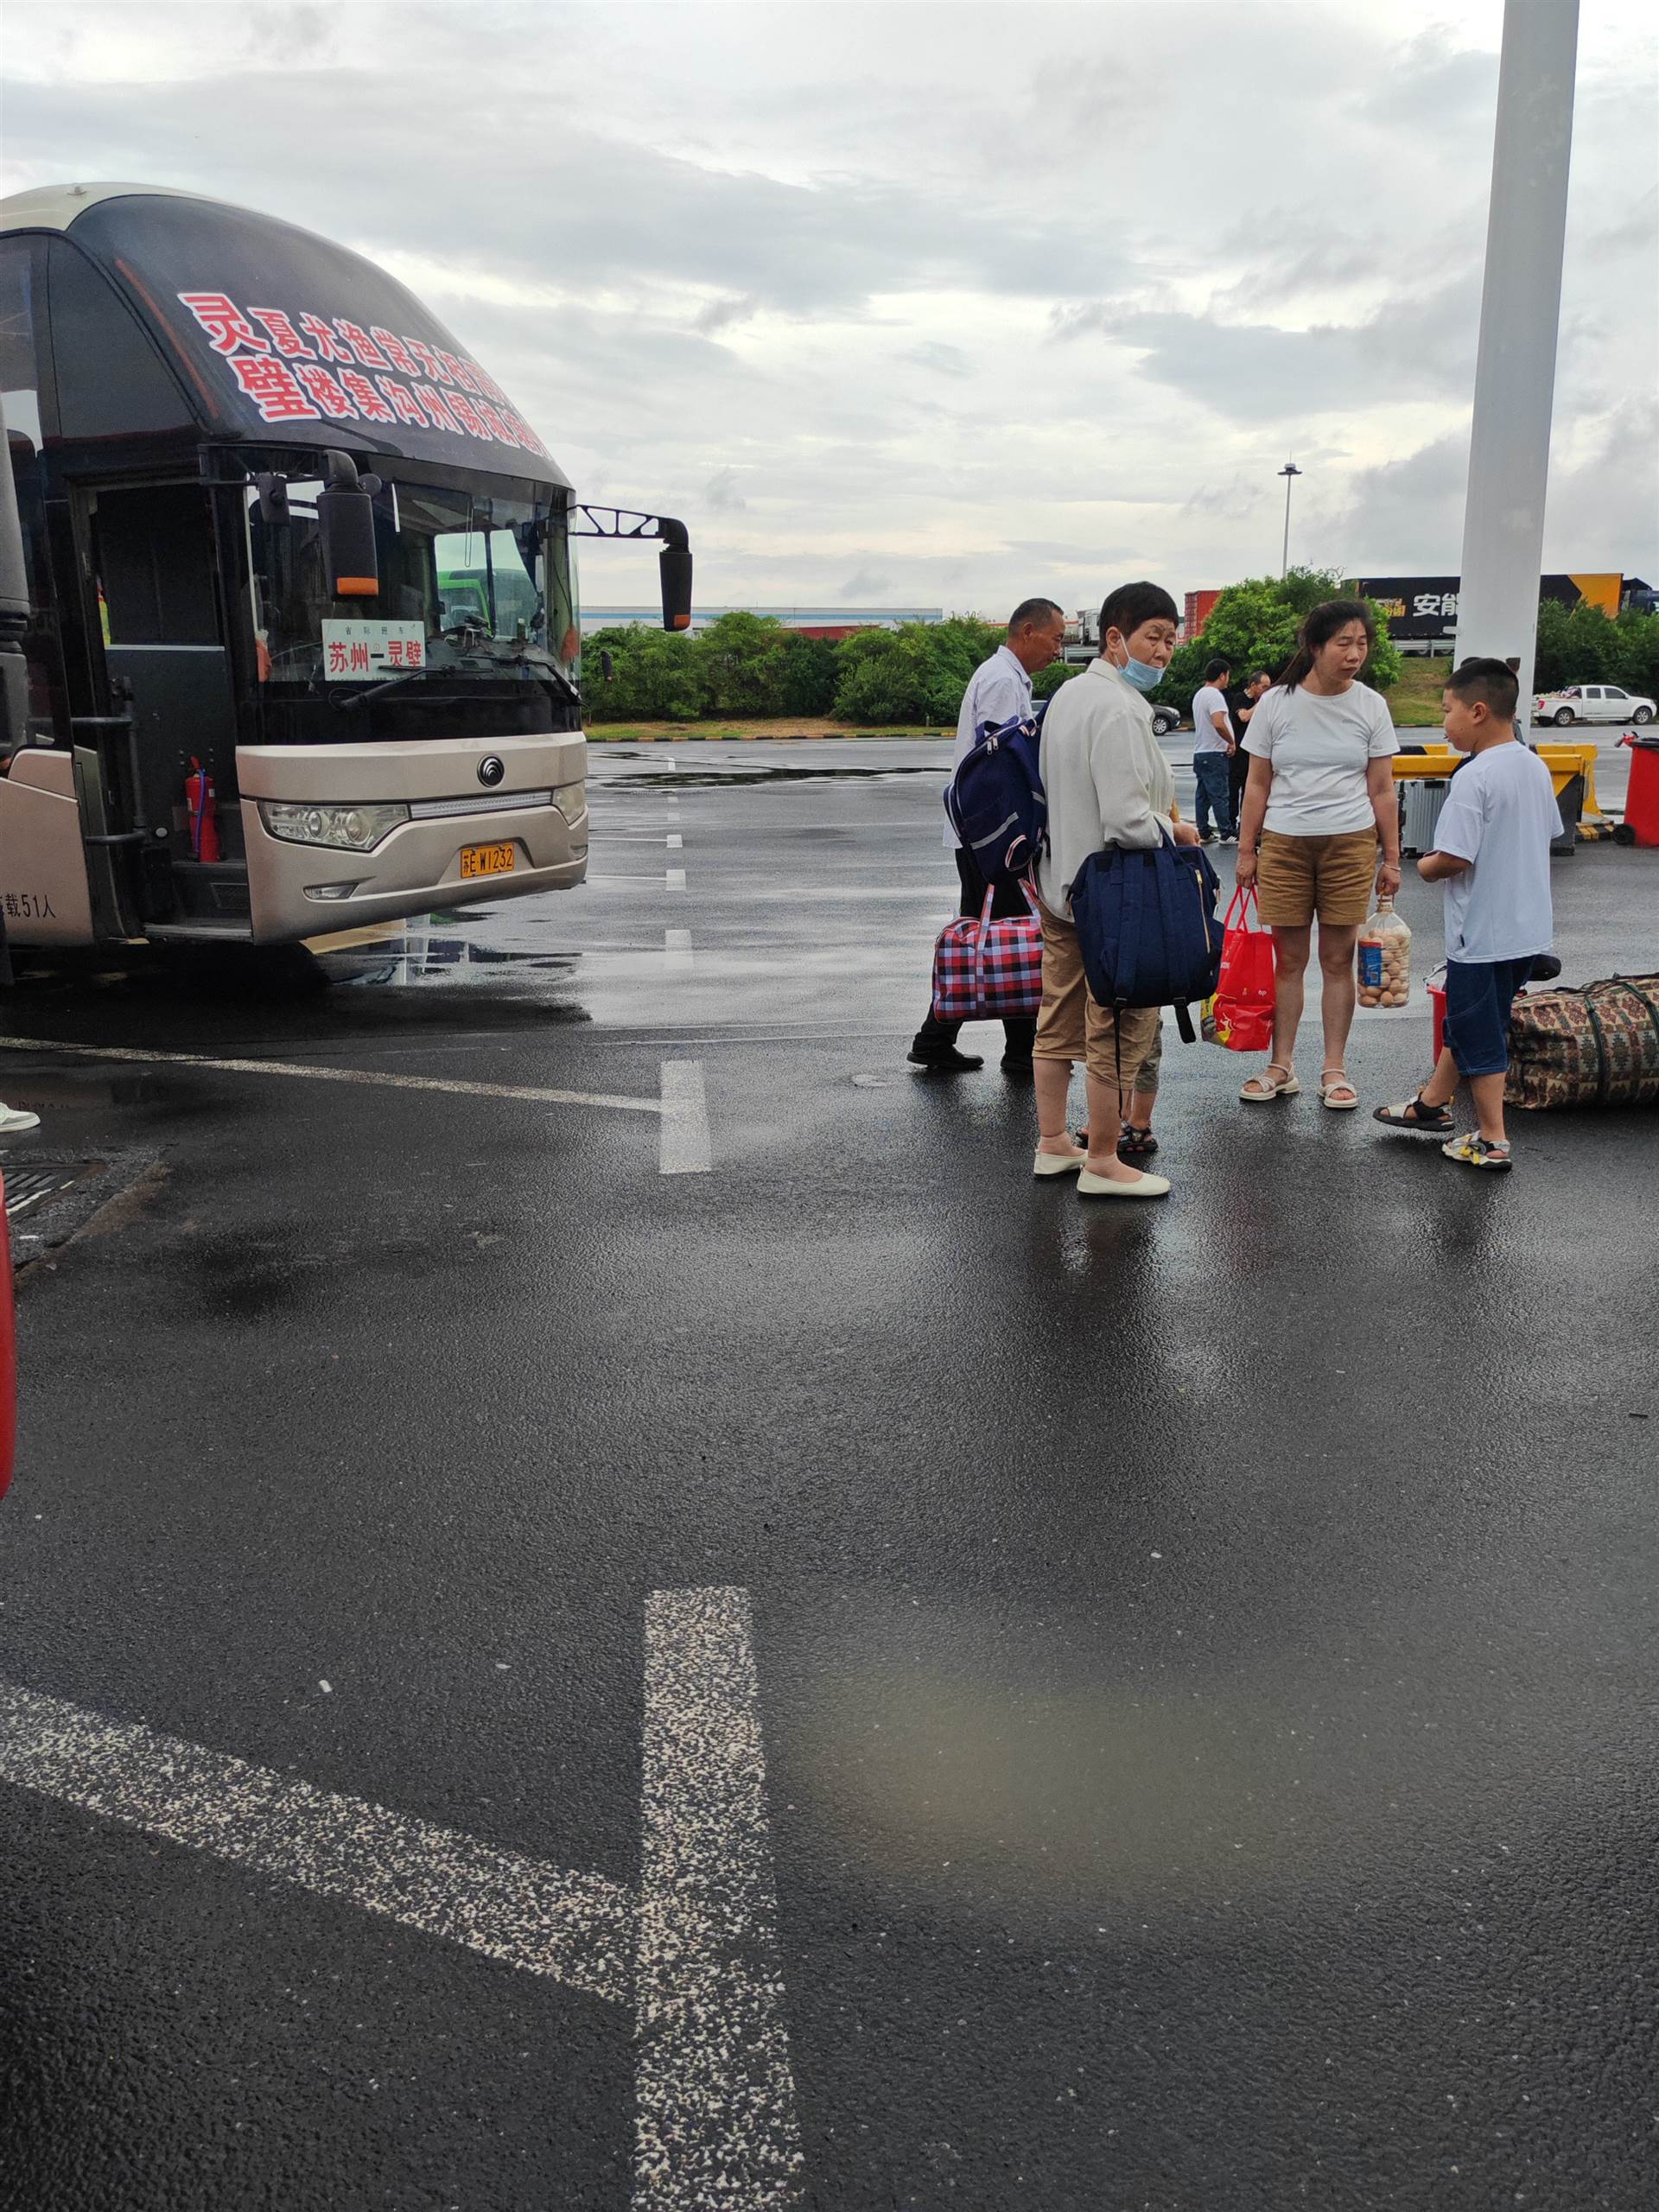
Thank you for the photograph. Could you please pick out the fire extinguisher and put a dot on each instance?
(204, 824)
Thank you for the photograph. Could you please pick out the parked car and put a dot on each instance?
(1164, 719)
(1590, 702)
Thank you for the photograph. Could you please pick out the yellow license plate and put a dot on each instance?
(486, 859)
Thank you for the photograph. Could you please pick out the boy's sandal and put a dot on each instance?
(1336, 1091)
(1478, 1152)
(1136, 1144)
(1412, 1113)
(1260, 1088)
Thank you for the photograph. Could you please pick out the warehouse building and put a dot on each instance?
(810, 621)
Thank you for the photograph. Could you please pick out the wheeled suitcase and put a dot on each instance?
(1421, 801)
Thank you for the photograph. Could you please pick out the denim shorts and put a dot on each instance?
(1479, 995)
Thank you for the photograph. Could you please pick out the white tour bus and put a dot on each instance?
(289, 630)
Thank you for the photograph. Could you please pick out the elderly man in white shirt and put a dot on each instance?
(998, 691)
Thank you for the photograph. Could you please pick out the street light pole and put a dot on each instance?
(1288, 472)
(1520, 315)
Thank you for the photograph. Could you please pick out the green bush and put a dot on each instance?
(1581, 645)
(916, 673)
(1549, 654)
(744, 665)
(1638, 652)
(1254, 625)
(655, 679)
(809, 675)
(750, 667)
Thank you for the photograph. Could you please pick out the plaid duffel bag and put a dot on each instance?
(988, 971)
(1598, 1046)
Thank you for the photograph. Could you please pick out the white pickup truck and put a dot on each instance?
(1590, 702)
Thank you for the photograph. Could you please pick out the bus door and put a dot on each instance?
(172, 705)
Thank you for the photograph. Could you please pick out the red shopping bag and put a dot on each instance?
(1244, 990)
(988, 971)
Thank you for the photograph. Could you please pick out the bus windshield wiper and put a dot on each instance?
(345, 704)
(550, 666)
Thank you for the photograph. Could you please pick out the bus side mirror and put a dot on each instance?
(674, 563)
(272, 494)
(607, 667)
(346, 526)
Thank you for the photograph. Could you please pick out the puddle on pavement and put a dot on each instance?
(740, 772)
(213, 999)
(411, 963)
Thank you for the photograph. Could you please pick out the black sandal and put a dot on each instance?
(1136, 1144)
(1432, 1120)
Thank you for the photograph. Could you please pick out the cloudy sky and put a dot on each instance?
(933, 304)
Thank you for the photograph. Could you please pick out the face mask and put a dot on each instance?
(1141, 674)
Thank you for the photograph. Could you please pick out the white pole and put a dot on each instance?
(1288, 472)
(1520, 314)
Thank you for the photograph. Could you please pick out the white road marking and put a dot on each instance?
(696, 1951)
(716, 2121)
(577, 1929)
(683, 1131)
(675, 879)
(676, 951)
(49, 1047)
(675, 841)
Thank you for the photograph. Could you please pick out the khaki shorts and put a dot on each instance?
(1298, 877)
(1072, 1025)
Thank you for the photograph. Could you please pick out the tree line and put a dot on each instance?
(750, 667)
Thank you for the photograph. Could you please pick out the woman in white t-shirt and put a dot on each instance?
(1318, 802)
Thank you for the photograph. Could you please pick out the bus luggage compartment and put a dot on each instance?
(341, 835)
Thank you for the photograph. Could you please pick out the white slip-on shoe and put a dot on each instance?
(1058, 1163)
(1107, 1186)
(17, 1121)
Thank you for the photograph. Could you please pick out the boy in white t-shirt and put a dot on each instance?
(1492, 852)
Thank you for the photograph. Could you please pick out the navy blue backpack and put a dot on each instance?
(1148, 927)
(996, 802)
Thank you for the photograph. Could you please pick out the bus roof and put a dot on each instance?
(281, 337)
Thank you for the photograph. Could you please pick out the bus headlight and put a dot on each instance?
(356, 829)
(571, 799)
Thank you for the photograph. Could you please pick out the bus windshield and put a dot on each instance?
(459, 573)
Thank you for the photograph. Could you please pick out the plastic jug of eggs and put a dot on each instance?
(1385, 958)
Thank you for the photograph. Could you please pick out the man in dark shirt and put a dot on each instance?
(1240, 705)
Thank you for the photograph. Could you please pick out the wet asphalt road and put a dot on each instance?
(1204, 1653)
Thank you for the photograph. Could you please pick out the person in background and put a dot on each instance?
(1135, 1140)
(998, 691)
(1213, 745)
(1491, 852)
(1319, 800)
(1241, 706)
(1108, 783)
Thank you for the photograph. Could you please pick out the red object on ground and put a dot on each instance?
(8, 1353)
(1244, 990)
(1642, 800)
(1437, 1000)
(203, 810)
